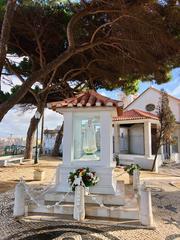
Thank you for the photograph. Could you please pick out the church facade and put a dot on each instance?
(135, 131)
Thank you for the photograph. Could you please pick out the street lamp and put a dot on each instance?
(37, 117)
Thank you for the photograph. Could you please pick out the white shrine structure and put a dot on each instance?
(89, 108)
(88, 142)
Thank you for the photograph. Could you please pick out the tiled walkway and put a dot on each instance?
(166, 209)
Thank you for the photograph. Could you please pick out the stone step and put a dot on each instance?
(92, 210)
(123, 213)
(53, 197)
(117, 199)
(133, 223)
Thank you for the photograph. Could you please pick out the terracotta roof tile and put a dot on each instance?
(135, 114)
(86, 99)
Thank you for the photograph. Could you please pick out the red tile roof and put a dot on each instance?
(86, 99)
(135, 114)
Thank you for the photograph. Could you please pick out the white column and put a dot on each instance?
(79, 204)
(116, 138)
(136, 179)
(147, 139)
(106, 139)
(178, 131)
(128, 140)
(170, 153)
(146, 215)
(162, 152)
(67, 139)
(77, 148)
(19, 201)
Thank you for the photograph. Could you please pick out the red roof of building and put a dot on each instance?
(86, 99)
(135, 114)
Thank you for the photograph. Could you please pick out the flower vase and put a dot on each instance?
(38, 175)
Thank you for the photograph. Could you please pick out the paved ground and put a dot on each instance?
(10, 175)
(166, 209)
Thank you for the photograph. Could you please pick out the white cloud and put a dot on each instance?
(52, 119)
(17, 123)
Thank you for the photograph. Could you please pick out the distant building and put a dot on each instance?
(135, 131)
(49, 140)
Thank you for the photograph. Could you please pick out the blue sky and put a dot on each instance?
(172, 87)
(16, 123)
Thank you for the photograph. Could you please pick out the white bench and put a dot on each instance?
(7, 159)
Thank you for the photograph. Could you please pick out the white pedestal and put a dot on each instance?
(146, 215)
(106, 185)
(19, 202)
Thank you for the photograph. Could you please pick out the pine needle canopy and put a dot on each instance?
(128, 40)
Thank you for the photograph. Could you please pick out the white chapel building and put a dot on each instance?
(135, 131)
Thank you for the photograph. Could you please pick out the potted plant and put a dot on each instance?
(88, 177)
(117, 159)
(38, 174)
(130, 169)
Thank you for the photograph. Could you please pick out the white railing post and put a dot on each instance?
(146, 215)
(19, 202)
(136, 179)
(79, 204)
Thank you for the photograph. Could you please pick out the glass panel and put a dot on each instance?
(86, 138)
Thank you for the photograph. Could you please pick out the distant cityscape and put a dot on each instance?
(10, 141)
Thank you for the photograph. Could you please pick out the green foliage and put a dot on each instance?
(89, 178)
(25, 66)
(116, 159)
(131, 85)
(163, 75)
(2, 8)
(167, 124)
(4, 96)
(166, 118)
(145, 48)
(130, 168)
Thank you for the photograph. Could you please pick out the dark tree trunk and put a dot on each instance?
(42, 133)
(58, 142)
(31, 131)
(30, 138)
(5, 31)
(157, 149)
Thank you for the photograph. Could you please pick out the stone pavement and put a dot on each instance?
(166, 208)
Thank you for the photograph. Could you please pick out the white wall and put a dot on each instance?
(49, 141)
(136, 145)
(152, 96)
(124, 146)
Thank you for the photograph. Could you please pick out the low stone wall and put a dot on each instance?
(143, 161)
(175, 157)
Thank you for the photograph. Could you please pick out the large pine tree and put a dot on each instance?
(107, 41)
(167, 124)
